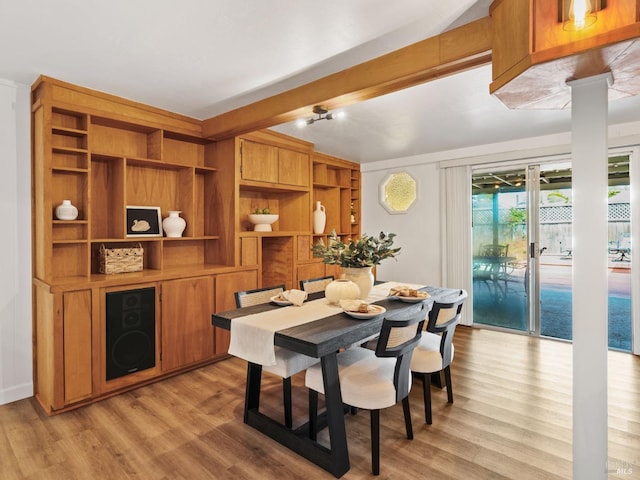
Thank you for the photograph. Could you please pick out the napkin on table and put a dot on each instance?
(296, 297)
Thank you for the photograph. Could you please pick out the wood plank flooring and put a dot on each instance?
(511, 420)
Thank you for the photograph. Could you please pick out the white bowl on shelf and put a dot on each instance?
(262, 221)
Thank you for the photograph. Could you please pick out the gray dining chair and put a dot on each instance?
(374, 380)
(435, 350)
(288, 363)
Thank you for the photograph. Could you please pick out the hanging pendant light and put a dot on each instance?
(579, 14)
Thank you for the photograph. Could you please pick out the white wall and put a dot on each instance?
(15, 244)
(418, 230)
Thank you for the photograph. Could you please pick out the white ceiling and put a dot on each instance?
(205, 57)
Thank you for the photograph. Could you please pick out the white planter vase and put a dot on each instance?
(66, 211)
(174, 224)
(341, 289)
(362, 277)
(319, 218)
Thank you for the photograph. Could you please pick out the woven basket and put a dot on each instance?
(120, 260)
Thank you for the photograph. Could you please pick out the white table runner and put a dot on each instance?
(252, 336)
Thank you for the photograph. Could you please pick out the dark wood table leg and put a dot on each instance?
(252, 392)
(335, 459)
(335, 415)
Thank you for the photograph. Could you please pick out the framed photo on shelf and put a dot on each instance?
(143, 221)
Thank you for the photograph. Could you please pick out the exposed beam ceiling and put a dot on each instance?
(452, 52)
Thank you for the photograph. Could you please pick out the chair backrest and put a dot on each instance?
(314, 285)
(443, 319)
(399, 335)
(494, 250)
(257, 296)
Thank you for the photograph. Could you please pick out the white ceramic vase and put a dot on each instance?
(66, 211)
(319, 218)
(362, 277)
(174, 224)
(341, 289)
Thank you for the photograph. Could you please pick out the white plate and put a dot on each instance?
(374, 311)
(412, 299)
(282, 303)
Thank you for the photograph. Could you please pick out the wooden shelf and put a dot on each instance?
(72, 132)
(74, 151)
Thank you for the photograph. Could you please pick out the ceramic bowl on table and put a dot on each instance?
(262, 221)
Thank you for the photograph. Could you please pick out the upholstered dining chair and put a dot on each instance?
(288, 363)
(374, 380)
(435, 350)
(314, 285)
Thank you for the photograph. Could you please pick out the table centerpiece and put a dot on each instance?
(357, 257)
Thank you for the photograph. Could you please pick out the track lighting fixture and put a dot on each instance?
(322, 114)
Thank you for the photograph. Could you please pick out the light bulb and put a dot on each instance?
(580, 15)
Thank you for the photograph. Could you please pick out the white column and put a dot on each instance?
(590, 291)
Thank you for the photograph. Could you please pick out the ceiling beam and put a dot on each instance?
(451, 52)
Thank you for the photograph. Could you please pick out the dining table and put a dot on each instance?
(319, 335)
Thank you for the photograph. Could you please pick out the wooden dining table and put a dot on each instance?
(321, 338)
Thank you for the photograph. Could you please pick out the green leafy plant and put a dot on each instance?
(363, 252)
(517, 216)
(557, 197)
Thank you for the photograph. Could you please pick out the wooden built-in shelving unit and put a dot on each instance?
(105, 153)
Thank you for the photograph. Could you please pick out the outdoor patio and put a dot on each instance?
(502, 303)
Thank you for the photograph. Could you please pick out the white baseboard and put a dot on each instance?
(18, 392)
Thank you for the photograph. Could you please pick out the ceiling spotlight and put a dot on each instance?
(322, 114)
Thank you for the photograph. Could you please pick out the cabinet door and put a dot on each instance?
(187, 334)
(259, 162)
(77, 345)
(226, 285)
(293, 168)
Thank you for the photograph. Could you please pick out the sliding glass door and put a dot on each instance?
(500, 245)
(523, 245)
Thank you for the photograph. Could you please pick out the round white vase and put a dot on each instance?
(174, 224)
(66, 211)
(341, 289)
(319, 218)
(362, 277)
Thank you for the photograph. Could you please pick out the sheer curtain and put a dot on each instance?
(455, 188)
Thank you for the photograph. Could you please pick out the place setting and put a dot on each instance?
(361, 310)
(407, 294)
(290, 297)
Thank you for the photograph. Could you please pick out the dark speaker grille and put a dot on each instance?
(130, 331)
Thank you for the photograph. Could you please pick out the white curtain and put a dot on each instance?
(455, 188)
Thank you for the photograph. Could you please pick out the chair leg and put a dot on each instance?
(426, 393)
(313, 414)
(447, 381)
(286, 393)
(407, 417)
(375, 442)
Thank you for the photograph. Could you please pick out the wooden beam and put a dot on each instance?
(451, 52)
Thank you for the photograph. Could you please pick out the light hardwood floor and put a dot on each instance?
(511, 419)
